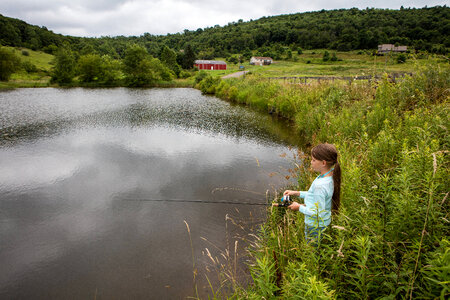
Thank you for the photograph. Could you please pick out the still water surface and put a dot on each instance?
(75, 164)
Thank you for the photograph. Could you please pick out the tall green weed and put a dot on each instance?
(390, 239)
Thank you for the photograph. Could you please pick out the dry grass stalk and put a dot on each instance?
(339, 251)
(194, 269)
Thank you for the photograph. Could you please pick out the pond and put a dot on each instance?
(97, 187)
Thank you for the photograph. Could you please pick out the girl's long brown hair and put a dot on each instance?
(328, 153)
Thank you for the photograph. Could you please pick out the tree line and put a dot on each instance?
(137, 68)
(424, 29)
(143, 60)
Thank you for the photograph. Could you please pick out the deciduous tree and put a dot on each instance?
(188, 58)
(326, 56)
(141, 69)
(169, 58)
(90, 68)
(9, 63)
(64, 69)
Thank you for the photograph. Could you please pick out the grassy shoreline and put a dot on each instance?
(13, 84)
(390, 239)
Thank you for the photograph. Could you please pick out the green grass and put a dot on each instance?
(41, 60)
(390, 239)
(21, 78)
(352, 64)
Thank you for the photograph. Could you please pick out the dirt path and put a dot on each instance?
(234, 75)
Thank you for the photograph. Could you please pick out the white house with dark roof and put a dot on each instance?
(259, 61)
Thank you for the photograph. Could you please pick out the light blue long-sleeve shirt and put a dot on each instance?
(317, 209)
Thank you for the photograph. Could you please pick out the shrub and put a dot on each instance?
(50, 49)
(333, 57)
(29, 67)
(184, 74)
(301, 284)
(233, 59)
(289, 54)
(233, 93)
(401, 58)
(208, 84)
(435, 272)
(9, 63)
(200, 76)
(222, 89)
(263, 273)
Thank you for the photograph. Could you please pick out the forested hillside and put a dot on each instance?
(148, 60)
(344, 29)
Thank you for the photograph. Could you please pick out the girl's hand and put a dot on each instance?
(295, 206)
(291, 193)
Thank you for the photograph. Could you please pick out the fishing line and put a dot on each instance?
(193, 201)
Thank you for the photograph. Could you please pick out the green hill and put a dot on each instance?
(296, 41)
(42, 60)
(33, 71)
(344, 29)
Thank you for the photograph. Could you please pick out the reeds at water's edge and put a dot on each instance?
(390, 239)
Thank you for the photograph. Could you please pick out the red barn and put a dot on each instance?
(210, 65)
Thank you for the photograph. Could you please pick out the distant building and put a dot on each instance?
(386, 48)
(210, 65)
(259, 61)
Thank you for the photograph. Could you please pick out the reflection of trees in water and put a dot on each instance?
(234, 121)
(12, 134)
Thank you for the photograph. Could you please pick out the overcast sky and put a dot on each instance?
(135, 17)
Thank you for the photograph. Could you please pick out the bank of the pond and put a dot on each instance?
(390, 238)
(23, 83)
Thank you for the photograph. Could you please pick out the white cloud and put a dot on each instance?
(134, 17)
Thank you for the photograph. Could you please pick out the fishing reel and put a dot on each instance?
(285, 201)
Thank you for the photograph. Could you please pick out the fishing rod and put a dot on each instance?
(285, 201)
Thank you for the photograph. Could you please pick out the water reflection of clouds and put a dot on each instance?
(24, 169)
(168, 142)
(47, 161)
(62, 198)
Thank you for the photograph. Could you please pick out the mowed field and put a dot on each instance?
(353, 63)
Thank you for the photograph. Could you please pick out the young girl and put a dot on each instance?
(323, 197)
